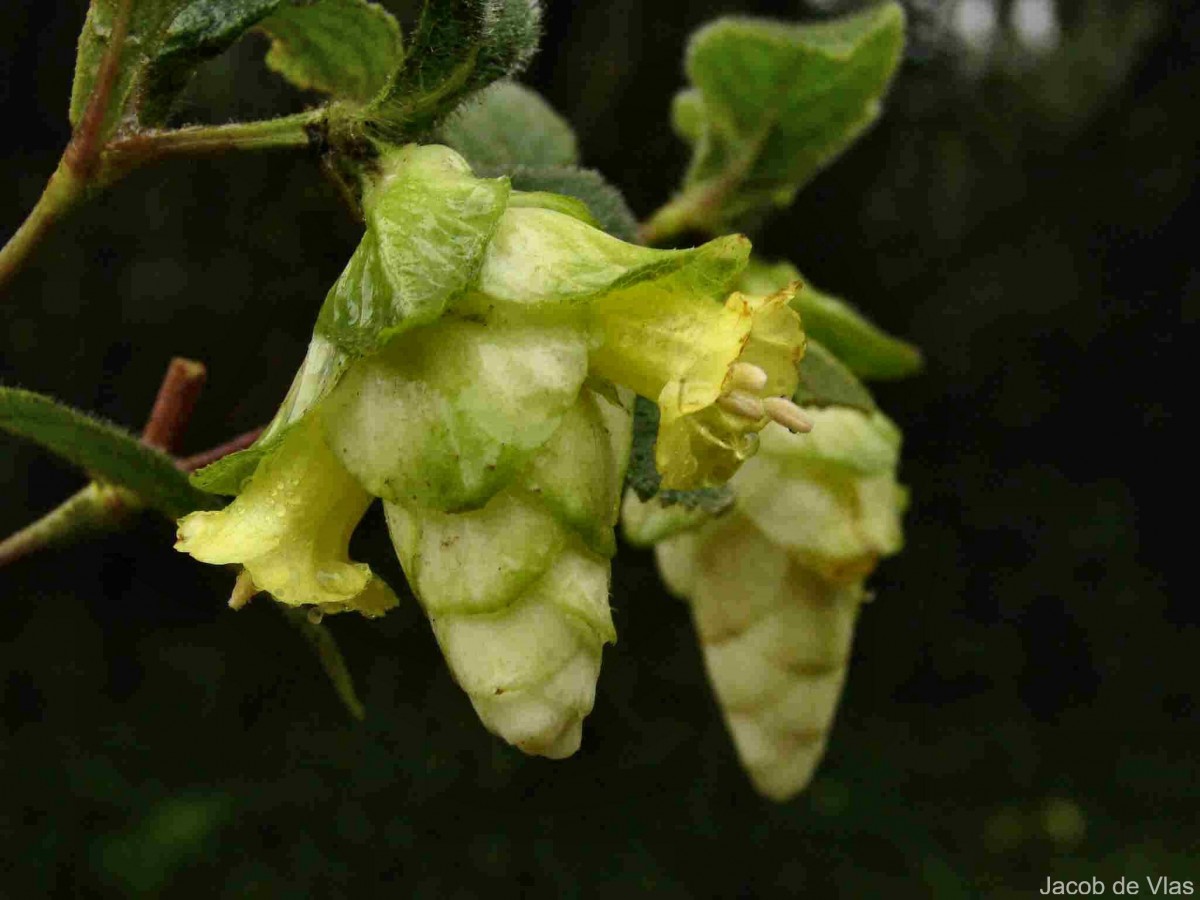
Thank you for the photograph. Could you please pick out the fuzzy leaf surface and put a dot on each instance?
(773, 103)
(643, 475)
(509, 125)
(606, 203)
(103, 450)
(346, 48)
(459, 47)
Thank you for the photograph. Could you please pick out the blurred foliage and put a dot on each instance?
(1022, 703)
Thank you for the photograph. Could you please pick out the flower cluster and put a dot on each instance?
(474, 368)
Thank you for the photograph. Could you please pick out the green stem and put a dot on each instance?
(124, 155)
(96, 508)
(76, 178)
(688, 211)
(64, 190)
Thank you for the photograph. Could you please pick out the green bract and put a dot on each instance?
(473, 367)
(775, 585)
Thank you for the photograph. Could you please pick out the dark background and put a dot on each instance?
(1023, 698)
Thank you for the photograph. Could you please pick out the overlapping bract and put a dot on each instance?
(775, 585)
(474, 368)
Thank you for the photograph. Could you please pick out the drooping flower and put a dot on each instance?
(776, 584)
(472, 367)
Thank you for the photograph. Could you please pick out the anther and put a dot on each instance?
(243, 589)
(787, 414)
(748, 376)
(739, 403)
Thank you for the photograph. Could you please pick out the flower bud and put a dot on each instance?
(517, 591)
(775, 585)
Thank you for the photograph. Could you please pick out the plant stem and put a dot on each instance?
(688, 211)
(126, 154)
(103, 507)
(207, 457)
(64, 190)
(173, 405)
(86, 168)
(95, 508)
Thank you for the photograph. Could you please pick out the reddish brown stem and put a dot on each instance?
(83, 151)
(173, 406)
(200, 460)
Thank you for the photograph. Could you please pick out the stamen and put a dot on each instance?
(748, 376)
(739, 403)
(243, 589)
(787, 414)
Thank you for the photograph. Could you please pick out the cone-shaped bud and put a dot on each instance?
(517, 592)
(775, 585)
(290, 529)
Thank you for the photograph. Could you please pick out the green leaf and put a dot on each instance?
(139, 27)
(826, 382)
(202, 30)
(606, 203)
(509, 125)
(458, 48)
(104, 451)
(347, 48)
(773, 103)
(643, 475)
(865, 349)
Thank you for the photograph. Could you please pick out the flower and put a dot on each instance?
(290, 528)
(776, 584)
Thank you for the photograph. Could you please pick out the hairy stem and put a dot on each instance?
(126, 154)
(84, 149)
(95, 508)
(104, 507)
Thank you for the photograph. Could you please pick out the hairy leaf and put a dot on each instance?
(201, 30)
(139, 28)
(865, 349)
(606, 203)
(643, 477)
(824, 381)
(458, 48)
(509, 125)
(103, 450)
(347, 48)
(773, 103)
